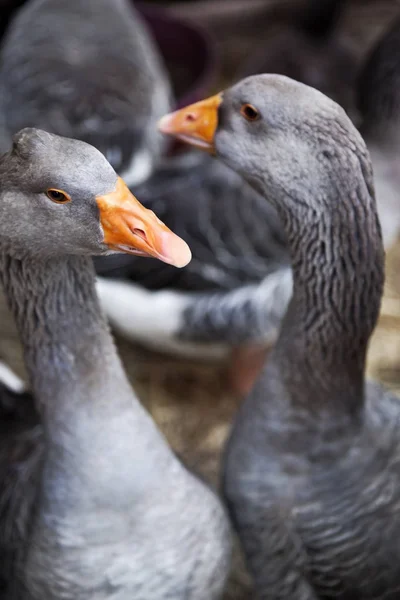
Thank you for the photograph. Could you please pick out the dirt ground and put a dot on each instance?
(192, 403)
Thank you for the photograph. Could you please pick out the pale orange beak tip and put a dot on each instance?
(174, 250)
(164, 124)
(195, 124)
(130, 227)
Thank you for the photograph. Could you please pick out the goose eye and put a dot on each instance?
(58, 196)
(249, 112)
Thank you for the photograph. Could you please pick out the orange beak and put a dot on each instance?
(195, 124)
(130, 227)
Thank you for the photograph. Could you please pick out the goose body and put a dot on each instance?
(312, 467)
(87, 70)
(93, 503)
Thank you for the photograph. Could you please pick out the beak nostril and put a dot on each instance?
(140, 233)
(190, 117)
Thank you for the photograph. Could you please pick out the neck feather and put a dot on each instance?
(70, 355)
(338, 274)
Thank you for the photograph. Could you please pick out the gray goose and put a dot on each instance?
(88, 70)
(93, 502)
(312, 466)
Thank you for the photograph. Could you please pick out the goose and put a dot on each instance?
(87, 70)
(378, 102)
(311, 470)
(93, 502)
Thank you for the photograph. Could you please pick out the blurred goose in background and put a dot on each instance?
(312, 467)
(93, 502)
(236, 289)
(88, 70)
(239, 279)
(379, 106)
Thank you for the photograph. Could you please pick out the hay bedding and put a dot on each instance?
(192, 403)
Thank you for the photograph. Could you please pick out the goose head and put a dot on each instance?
(291, 142)
(60, 196)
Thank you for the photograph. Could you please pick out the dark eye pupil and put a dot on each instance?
(251, 112)
(57, 196)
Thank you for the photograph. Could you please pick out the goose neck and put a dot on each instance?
(95, 429)
(70, 355)
(338, 274)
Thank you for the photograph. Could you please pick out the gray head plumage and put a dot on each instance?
(299, 143)
(60, 196)
(37, 162)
